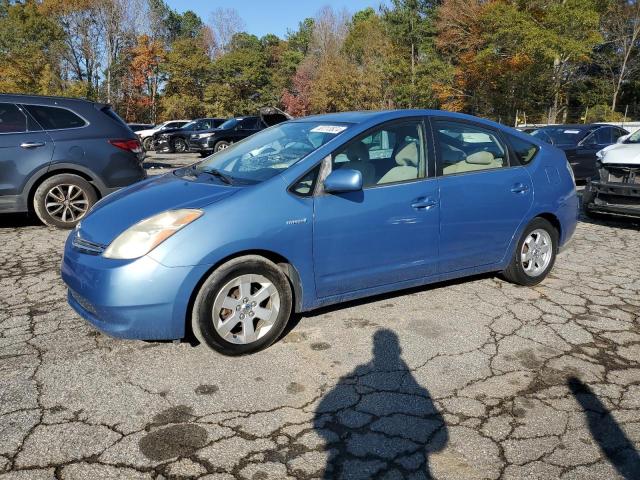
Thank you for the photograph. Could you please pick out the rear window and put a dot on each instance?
(523, 150)
(108, 111)
(54, 118)
(12, 120)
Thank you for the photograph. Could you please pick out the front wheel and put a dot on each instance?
(147, 143)
(180, 145)
(534, 255)
(242, 307)
(63, 200)
(221, 145)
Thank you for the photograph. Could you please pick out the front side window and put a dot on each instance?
(392, 153)
(468, 148)
(247, 124)
(634, 137)
(12, 120)
(54, 118)
(271, 151)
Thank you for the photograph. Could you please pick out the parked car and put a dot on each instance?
(58, 156)
(146, 136)
(616, 189)
(580, 143)
(234, 130)
(136, 127)
(177, 140)
(317, 211)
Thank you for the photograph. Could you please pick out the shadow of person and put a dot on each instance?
(611, 439)
(378, 422)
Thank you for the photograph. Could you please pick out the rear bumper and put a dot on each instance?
(199, 145)
(612, 197)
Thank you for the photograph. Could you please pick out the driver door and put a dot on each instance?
(387, 232)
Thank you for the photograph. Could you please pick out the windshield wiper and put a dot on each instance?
(218, 174)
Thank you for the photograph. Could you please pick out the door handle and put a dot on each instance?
(424, 204)
(32, 144)
(520, 188)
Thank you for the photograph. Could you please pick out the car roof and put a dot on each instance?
(377, 116)
(42, 99)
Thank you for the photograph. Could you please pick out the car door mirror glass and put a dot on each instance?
(343, 180)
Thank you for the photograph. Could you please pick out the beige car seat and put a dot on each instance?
(407, 159)
(358, 155)
(476, 161)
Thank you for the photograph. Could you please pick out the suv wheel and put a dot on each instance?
(535, 254)
(179, 145)
(221, 145)
(63, 200)
(242, 307)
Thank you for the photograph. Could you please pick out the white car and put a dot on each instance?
(617, 190)
(146, 136)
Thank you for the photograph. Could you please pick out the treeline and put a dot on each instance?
(524, 60)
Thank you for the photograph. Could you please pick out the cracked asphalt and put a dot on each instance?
(472, 379)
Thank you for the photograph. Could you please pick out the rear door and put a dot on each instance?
(24, 149)
(483, 198)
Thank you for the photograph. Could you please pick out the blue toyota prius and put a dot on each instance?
(313, 212)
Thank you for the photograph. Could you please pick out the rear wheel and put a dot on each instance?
(243, 307)
(221, 145)
(534, 255)
(180, 145)
(63, 200)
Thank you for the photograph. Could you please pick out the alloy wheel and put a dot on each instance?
(66, 203)
(536, 252)
(245, 309)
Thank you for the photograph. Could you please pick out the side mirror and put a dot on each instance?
(342, 181)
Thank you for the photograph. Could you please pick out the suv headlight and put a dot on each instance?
(146, 235)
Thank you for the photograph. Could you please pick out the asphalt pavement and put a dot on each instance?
(471, 379)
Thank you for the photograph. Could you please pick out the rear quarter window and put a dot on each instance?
(55, 118)
(524, 151)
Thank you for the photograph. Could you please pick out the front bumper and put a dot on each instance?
(136, 299)
(612, 197)
(200, 145)
(161, 145)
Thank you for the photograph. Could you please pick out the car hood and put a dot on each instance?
(124, 208)
(621, 154)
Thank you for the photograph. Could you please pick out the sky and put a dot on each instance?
(270, 16)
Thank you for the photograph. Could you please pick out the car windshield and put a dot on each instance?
(272, 151)
(634, 137)
(560, 135)
(232, 122)
(189, 125)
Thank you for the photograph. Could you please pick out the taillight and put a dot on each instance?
(129, 145)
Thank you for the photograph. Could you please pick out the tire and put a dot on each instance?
(242, 329)
(539, 233)
(63, 200)
(221, 145)
(147, 143)
(179, 145)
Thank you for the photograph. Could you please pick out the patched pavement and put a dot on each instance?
(471, 379)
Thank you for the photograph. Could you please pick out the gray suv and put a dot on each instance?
(58, 156)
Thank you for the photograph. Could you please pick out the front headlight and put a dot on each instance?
(146, 235)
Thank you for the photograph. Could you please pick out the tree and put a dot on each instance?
(30, 49)
(224, 24)
(619, 53)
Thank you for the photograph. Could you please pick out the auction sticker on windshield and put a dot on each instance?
(328, 129)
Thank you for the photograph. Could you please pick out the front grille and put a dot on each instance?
(83, 302)
(85, 246)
